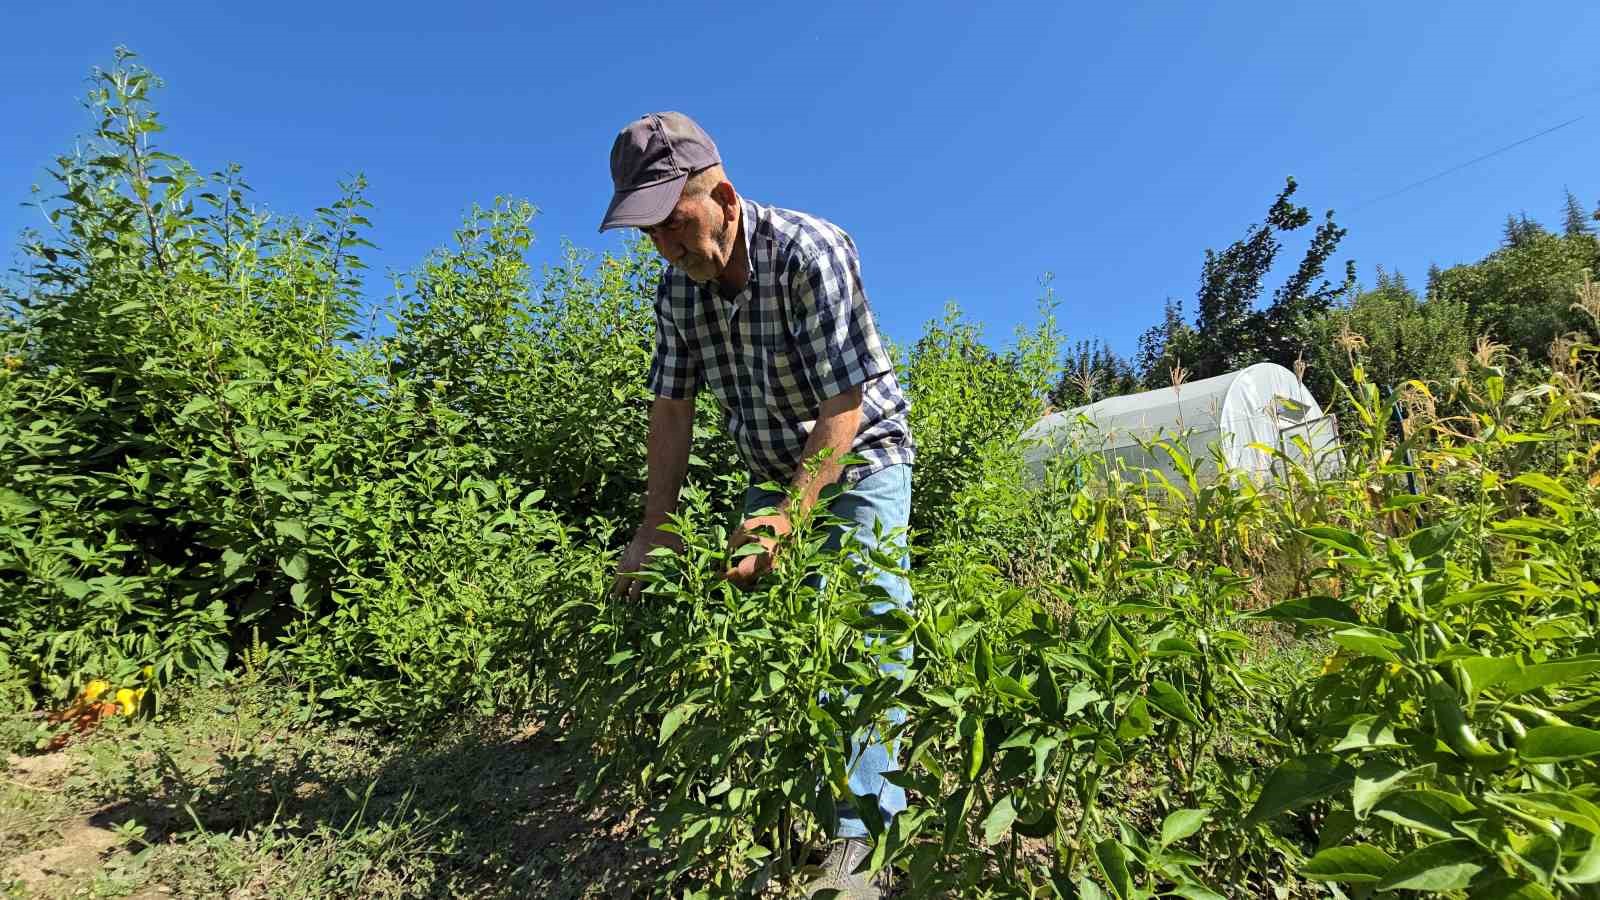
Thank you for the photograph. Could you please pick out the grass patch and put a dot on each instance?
(240, 790)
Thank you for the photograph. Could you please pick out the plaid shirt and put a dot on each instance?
(798, 333)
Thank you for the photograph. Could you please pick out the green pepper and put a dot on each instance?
(972, 730)
(1454, 729)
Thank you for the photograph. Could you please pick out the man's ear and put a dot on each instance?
(724, 194)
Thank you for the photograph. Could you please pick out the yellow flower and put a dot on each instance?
(128, 700)
(1335, 663)
(93, 690)
(13, 363)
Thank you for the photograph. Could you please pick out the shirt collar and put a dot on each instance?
(756, 255)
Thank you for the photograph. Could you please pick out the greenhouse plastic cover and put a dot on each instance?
(1262, 404)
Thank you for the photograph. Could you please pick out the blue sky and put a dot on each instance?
(968, 153)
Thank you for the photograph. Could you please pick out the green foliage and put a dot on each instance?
(1397, 336)
(198, 443)
(1110, 685)
(1229, 331)
(1093, 372)
(969, 403)
(1521, 295)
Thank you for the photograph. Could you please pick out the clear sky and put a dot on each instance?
(969, 153)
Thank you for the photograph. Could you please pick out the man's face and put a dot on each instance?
(697, 237)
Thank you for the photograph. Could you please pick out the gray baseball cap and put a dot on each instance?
(650, 161)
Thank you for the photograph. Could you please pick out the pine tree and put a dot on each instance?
(1576, 221)
(1163, 346)
(1521, 230)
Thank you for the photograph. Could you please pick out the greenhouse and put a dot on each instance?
(1238, 419)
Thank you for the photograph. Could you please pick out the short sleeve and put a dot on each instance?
(836, 336)
(674, 369)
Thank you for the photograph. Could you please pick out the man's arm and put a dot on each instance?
(833, 434)
(666, 457)
(666, 461)
(838, 421)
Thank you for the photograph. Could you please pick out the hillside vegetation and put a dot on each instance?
(316, 546)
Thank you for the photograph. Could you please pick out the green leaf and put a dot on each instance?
(233, 562)
(1477, 593)
(1135, 721)
(1367, 733)
(1442, 866)
(1182, 823)
(824, 807)
(999, 820)
(1506, 888)
(1113, 860)
(1426, 543)
(1196, 892)
(290, 528)
(1321, 612)
(1043, 826)
(1558, 743)
(1552, 672)
(982, 662)
(1544, 484)
(955, 817)
(675, 718)
(296, 566)
(276, 486)
(1419, 810)
(1403, 501)
(1353, 863)
(1368, 642)
(1557, 806)
(1587, 869)
(1049, 692)
(1010, 687)
(1171, 701)
(1299, 781)
(1484, 672)
(1377, 779)
(74, 588)
(14, 502)
(1338, 539)
(1080, 696)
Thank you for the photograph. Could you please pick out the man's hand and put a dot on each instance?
(747, 570)
(646, 539)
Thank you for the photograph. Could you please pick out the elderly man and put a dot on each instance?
(765, 307)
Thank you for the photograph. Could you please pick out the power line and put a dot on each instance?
(1474, 161)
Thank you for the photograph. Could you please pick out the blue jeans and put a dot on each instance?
(884, 497)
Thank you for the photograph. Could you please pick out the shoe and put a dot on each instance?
(840, 881)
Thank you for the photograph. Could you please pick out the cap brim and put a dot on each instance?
(644, 206)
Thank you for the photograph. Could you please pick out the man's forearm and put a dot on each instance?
(835, 431)
(667, 457)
